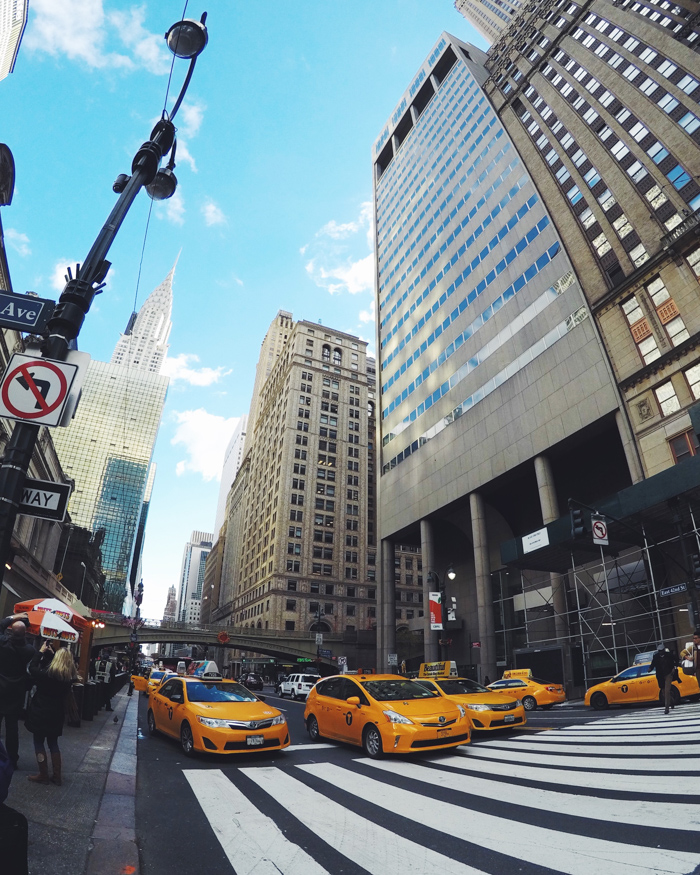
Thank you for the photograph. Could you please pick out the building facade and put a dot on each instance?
(13, 20)
(489, 17)
(108, 447)
(190, 591)
(492, 375)
(232, 462)
(170, 610)
(300, 550)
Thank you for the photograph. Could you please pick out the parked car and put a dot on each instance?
(252, 681)
(298, 686)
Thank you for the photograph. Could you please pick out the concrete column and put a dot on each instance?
(628, 445)
(484, 600)
(388, 608)
(430, 638)
(550, 512)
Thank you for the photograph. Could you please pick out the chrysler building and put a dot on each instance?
(144, 344)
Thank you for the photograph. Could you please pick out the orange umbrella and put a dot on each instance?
(50, 625)
(53, 606)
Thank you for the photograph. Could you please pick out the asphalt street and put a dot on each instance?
(576, 791)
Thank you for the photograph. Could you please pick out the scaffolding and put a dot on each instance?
(620, 602)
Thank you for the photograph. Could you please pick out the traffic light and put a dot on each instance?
(578, 528)
(139, 594)
(695, 564)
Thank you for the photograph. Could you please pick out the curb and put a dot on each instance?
(113, 843)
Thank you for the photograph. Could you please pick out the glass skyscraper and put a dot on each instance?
(107, 449)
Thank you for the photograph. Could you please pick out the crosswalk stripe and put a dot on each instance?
(665, 814)
(252, 841)
(376, 849)
(666, 785)
(608, 763)
(538, 845)
(634, 736)
(549, 745)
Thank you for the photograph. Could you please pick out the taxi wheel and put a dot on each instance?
(372, 743)
(530, 703)
(599, 701)
(151, 720)
(312, 729)
(186, 739)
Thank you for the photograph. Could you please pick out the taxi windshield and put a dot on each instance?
(460, 687)
(393, 690)
(219, 692)
(156, 675)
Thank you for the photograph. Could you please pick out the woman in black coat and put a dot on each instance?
(52, 674)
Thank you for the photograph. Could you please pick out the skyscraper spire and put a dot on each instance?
(144, 344)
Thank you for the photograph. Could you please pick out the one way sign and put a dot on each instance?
(44, 499)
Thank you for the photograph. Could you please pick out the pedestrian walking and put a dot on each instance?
(53, 674)
(15, 655)
(691, 657)
(14, 829)
(664, 665)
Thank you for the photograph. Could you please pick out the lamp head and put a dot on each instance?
(187, 38)
(163, 186)
(451, 573)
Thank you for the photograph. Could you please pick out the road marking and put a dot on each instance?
(538, 845)
(252, 841)
(308, 746)
(369, 845)
(654, 814)
(543, 744)
(627, 736)
(607, 764)
(667, 785)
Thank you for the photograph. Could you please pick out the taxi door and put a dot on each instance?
(622, 686)
(168, 706)
(140, 682)
(352, 718)
(646, 686)
(328, 710)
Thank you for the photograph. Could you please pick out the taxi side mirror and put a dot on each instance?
(353, 700)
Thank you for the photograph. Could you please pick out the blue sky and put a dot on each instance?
(273, 206)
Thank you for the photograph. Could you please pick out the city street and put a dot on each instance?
(577, 792)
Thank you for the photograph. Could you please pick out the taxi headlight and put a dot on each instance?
(462, 712)
(478, 707)
(213, 723)
(393, 717)
(280, 718)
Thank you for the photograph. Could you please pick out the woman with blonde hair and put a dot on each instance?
(52, 673)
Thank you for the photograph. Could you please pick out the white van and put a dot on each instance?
(298, 685)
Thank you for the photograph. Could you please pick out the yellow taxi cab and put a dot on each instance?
(214, 715)
(638, 684)
(140, 682)
(384, 713)
(486, 710)
(533, 692)
(155, 679)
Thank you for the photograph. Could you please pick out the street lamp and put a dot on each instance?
(80, 597)
(186, 39)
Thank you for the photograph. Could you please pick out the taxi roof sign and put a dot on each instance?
(438, 669)
(517, 673)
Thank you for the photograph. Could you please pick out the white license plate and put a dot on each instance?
(255, 740)
(443, 733)
(509, 718)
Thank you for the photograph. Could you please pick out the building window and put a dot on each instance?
(684, 446)
(350, 610)
(667, 398)
(371, 612)
(294, 565)
(351, 573)
(289, 625)
(641, 330)
(692, 375)
(351, 592)
(693, 259)
(328, 589)
(291, 605)
(291, 585)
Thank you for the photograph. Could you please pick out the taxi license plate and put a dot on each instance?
(441, 733)
(509, 718)
(255, 740)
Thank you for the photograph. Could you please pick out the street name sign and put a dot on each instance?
(326, 654)
(393, 659)
(42, 391)
(673, 590)
(25, 312)
(44, 499)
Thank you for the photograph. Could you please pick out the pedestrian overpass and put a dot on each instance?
(358, 646)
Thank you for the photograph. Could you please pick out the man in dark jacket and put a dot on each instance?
(15, 655)
(663, 664)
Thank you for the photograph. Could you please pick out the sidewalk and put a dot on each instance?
(86, 825)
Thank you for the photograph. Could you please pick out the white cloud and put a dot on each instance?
(173, 210)
(369, 315)
(178, 368)
(80, 30)
(190, 119)
(19, 242)
(335, 263)
(59, 272)
(205, 438)
(213, 214)
(183, 155)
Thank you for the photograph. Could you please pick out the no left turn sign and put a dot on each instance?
(35, 389)
(599, 527)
